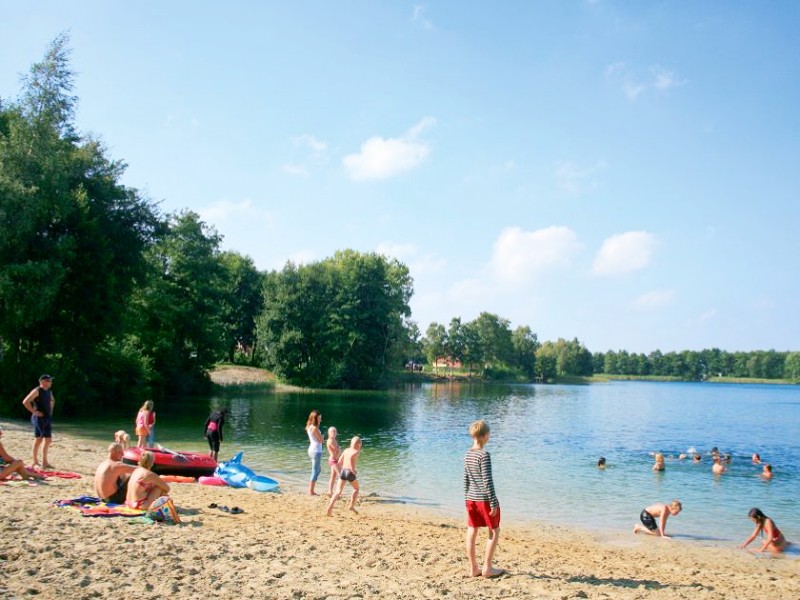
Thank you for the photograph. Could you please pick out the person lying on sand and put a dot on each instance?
(14, 465)
(112, 475)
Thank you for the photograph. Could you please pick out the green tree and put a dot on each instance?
(341, 322)
(71, 240)
(456, 341)
(243, 301)
(435, 344)
(547, 361)
(525, 343)
(178, 312)
(791, 368)
(496, 344)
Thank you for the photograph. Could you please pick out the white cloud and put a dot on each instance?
(654, 300)
(518, 254)
(624, 253)
(574, 180)
(665, 80)
(633, 89)
(381, 158)
(418, 16)
(225, 209)
(317, 147)
(633, 85)
(408, 254)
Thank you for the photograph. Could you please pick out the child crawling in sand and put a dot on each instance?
(347, 464)
(657, 511)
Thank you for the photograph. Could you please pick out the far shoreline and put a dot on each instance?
(226, 376)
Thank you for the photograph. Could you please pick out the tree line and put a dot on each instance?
(122, 302)
(487, 347)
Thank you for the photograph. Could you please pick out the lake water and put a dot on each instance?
(545, 443)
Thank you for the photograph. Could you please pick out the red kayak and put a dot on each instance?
(169, 462)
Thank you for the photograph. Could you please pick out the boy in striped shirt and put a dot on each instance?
(483, 509)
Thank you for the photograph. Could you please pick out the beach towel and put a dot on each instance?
(60, 474)
(18, 482)
(89, 506)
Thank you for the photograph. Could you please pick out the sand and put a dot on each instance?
(283, 546)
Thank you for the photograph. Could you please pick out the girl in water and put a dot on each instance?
(333, 457)
(314, 448)
(773, 538)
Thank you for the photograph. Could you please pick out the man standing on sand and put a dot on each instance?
(347, 465)
(111, 477)
(40, 402)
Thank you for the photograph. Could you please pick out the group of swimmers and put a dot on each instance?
(718, 467)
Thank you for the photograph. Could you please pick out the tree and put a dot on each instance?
(495, 338)
(243, 301)
(525, 344)
(791, 368)
(341, 322)
(178, 312)
(435, 344)
(62, 210)
(546, 361)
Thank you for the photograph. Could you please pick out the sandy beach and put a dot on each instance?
(283, 546)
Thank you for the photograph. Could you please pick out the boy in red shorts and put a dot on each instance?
(483, 509)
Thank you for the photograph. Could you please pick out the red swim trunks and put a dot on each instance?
(478, 515)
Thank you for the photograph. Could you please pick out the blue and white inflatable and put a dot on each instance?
(235, 474)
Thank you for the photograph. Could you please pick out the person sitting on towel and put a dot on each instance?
(111, 477)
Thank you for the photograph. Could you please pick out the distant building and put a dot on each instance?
(445, 362)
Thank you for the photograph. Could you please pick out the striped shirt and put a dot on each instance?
(478, 484)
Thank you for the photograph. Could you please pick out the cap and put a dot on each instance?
(46, 378)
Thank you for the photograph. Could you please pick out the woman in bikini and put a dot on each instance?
(773, 538)
(144, 486)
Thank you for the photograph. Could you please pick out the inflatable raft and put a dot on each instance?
(235, 474)
(169, 462)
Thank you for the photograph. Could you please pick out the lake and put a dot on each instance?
(545, 443)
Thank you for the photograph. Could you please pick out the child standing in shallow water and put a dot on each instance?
(483, 508)
(333, 458)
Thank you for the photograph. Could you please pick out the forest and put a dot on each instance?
(121, 302)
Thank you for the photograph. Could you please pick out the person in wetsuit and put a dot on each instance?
(213, 430)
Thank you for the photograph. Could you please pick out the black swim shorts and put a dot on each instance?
(648, 521)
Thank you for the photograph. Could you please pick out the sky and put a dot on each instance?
(624, 173)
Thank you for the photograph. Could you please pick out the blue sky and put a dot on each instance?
(621, 172)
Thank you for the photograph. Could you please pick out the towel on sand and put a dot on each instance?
(89, 506)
